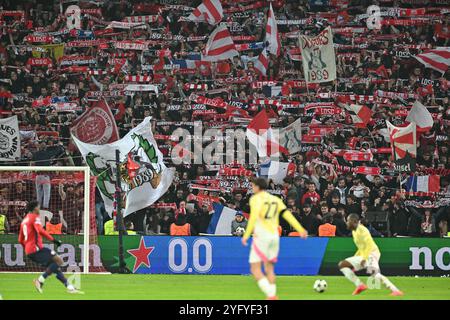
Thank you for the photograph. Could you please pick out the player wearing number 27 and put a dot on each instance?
(265, 210)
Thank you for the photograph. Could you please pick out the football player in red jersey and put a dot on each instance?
(30, 236)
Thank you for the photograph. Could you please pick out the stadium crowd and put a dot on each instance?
(375, 68)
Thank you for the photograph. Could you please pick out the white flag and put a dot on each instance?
(149, 182)
(421, 116)
(318, 57)
(9, 139)
(272, 36)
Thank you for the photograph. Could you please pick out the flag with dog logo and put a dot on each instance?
(290, 137)
(318, 57)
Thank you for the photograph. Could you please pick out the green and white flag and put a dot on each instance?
(147, 183)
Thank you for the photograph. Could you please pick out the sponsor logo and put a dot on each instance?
(13, 255)
(422, 258)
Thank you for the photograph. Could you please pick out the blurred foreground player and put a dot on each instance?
(265, 210)
(366, 257)
(30, 236)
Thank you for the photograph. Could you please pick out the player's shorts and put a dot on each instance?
(43, 257)
(264, 249)
(372, 264)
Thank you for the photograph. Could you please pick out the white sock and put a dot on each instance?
(350, 275)
(70, 287)
(386, 282)
(41, 279)
(265, 286)
(272, 290)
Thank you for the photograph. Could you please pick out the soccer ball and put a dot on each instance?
(320, 286)
(240, 231)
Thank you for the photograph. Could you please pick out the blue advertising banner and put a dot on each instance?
(218, 255)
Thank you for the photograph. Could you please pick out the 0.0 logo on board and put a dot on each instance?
(182, 258)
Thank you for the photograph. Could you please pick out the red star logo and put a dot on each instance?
(141, 254)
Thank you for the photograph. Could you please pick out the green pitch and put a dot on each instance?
(134, 287)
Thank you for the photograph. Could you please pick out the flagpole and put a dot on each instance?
(399, 171)
(119, 217)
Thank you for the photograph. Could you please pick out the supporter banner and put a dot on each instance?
(399, 256)
(85, 43)
(126, 25)
(294, 22)
(131, 45)
(39, 62)
(96, 125)
(318, 57)
(141, 87)
(143, 184)
(77, 60)
(9, 139)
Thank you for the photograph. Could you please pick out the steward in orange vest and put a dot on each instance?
(180, 227)
(53, 228)
(327, 230)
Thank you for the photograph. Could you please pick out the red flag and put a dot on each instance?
(403, 141)
(259, 133)
(437, 59)
(96, 125)
(208, 11)
(425, 91)
(220, 45)
(360, 114)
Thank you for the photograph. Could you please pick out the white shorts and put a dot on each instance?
(264, 249)
(372, 263)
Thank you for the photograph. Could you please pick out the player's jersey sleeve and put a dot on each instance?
(254, 212)
(281, 206)
(21, 236)
(289, 217)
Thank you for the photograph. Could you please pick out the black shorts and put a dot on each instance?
(44, 257)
